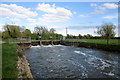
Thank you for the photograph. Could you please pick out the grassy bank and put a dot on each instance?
(97, 41)
(0, 61)
(9, 61)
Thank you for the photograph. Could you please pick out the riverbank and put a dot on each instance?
(24, 71)
(14, 63)
(9, 61)
(113, 48)
(96, 41)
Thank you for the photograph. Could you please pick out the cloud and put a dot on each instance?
(81, 30)
(15, 20)
(53, 13)
(93, 4)
(83, 15)
(103, 8)
(31, 20)
(110, 5)
(74, 12)
(13, 10)
(110, 17)
(97, 12)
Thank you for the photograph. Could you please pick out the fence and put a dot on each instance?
(17, 40)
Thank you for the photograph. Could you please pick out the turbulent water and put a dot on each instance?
(60, 61)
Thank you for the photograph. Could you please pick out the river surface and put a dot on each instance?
(60, 61)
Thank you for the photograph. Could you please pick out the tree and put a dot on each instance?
(27, 33)
(38, 30)
(68, 36)
(106, 30)
(5, 35)
(79, 36)
(34, 36)
(45, 33)
(59, 36)
(12, 30)
(52, 30)
(42, 31)
(52, 33)
(0, 34)
(74, 37)
(88, 36)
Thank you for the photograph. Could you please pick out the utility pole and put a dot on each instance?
(66, 31)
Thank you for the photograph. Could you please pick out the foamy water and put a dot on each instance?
(79, 52)
(57, 61)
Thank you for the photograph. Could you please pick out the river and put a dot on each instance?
(60, 61)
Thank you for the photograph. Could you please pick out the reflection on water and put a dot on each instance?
(71, 62)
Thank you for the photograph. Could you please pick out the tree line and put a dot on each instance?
(14, 31)
(87, 36)
(106, 31)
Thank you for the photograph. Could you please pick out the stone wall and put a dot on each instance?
(24, 71)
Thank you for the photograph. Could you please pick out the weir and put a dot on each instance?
(113, 48)
(40, 42)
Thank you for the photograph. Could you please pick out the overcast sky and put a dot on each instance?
(78, 17)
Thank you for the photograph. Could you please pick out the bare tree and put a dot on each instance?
(52, 30)
(41, 31)
(38, 30)
(106, 30)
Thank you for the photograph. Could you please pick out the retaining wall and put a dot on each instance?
(24, 71)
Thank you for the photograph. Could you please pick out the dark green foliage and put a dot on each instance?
(88, 36)
(34, 36)
(69, 36)
(80, 36)
(27, 33)
(5, 35)
(12, 30)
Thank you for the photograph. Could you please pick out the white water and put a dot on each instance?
(57, 60)
(79, 52)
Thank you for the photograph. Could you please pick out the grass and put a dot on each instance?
(13, 40)
(0, 61)
(97, 41)
(9, 61)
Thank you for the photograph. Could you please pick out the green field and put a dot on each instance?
(9, 61)
(97, 41)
